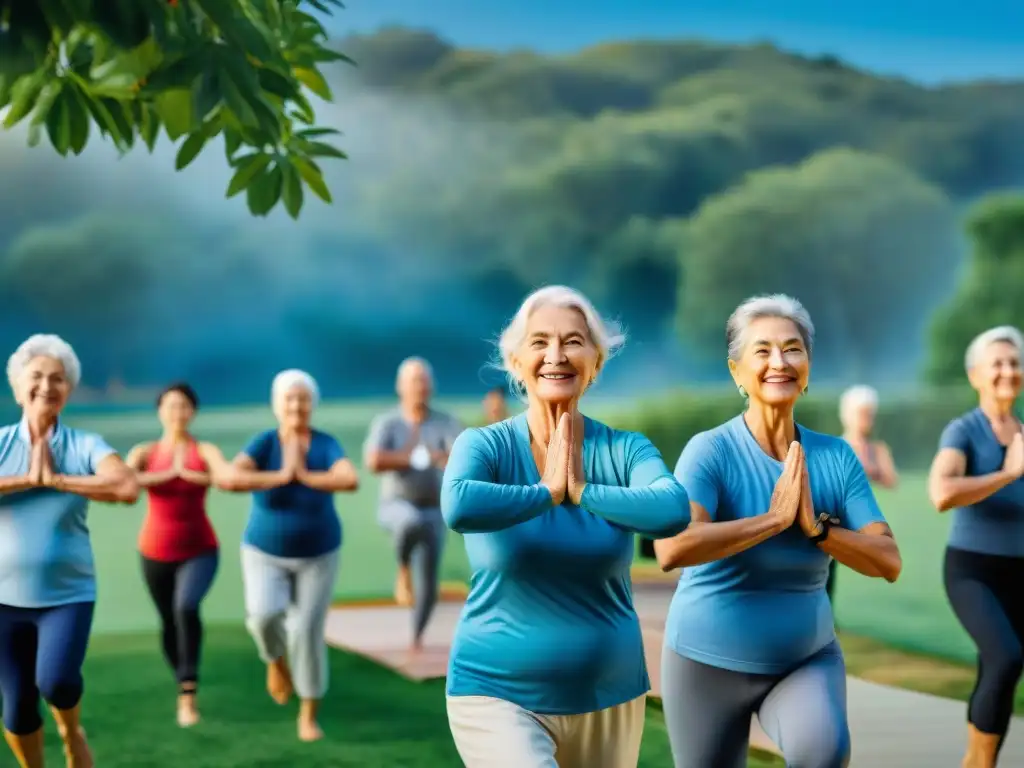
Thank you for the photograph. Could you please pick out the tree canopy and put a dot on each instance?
(194, 70)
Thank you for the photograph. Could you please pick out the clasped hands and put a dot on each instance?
(294, 459)
(791, 500)
(40, 468)
(563, 465)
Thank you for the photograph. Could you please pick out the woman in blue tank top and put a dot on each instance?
(290, 546)
(977, 474)
(547, 666)
(750, 627)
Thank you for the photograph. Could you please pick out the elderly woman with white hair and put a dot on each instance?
(750, 627)
(547, 667)
(977, 473)
(858, 407)
(291, 544)
(48, 474)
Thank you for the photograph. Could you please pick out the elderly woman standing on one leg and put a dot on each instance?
(291, 545)
(48, 474)
(750, 629)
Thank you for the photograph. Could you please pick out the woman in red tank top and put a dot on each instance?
(177, 543)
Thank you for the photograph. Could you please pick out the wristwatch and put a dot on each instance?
(826, 521)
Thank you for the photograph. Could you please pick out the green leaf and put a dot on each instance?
(232, 141)
(47, 96)
(181, 73)
(207, 93)
(58, 124)
(313, 80)
(236, 100)
(248, 168)
(148, 119)
(265, 191)
(292, 190)
(275, 83)
(35, 135)
(23, 98)
(312, 133)
(174, 108)
(79, 119)
(117, 85)
(313, 176)
(190, 149)
(320, 149)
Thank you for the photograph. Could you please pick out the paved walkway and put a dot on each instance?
(890, 726)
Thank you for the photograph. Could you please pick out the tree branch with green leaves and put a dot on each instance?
(193, 70)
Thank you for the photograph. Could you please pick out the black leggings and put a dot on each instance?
(986, 595)
(177, 589)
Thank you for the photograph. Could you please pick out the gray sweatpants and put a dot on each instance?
(286, 603)
(419, 536)
(708, 711)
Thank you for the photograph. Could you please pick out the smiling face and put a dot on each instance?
(558, 359)
(997, 374)
(43, 387)
(175, 411)
(774, 365)
(294, 407)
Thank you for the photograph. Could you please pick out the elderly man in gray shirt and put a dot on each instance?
(408, 447)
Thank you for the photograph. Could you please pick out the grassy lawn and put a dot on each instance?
(371, 716)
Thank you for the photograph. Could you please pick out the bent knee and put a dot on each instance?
(1005, 666)
(820, 751)
(61, 691)
(264, 623)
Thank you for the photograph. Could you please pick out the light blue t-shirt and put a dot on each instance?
(994, 525)
(45, 554)
(293, 520)
(764, 610)
(549, 623)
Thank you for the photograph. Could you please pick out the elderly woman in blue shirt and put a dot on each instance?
(750, 628)
(547, 667)
(48, 474)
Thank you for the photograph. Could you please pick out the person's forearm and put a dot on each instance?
(241, 480)
(477, 506)
(122, 489)
(15, 484)
(660, 509)
(706, 542)
(951, 492)
(149, 479)
(388, 461)
(330, 481)
(196, 478)
(874, 555)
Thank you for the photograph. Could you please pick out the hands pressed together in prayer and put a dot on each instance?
(293, 462)
(791, 500)
(1013, 463)
(40, 469)
(563, 467)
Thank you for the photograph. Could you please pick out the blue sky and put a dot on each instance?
(927, 41)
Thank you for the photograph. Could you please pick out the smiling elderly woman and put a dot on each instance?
(977, 472)
(547, 666)
(48, 474)
(750, 628)
(291, 545)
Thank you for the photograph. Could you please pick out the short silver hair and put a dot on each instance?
(774, 305)
(409, 362)
(44, 345)
(608, 336)
(858, 396)
(293, 377)
(1003, 333)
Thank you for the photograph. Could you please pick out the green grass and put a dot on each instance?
(371, 716)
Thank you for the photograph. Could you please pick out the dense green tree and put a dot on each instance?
(990, 291)
(193, 69)
(848, 234)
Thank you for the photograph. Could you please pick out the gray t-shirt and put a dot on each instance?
(391, 432)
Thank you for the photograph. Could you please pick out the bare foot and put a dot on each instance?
(76, 751)
(279, 681)
(403, 587)
(309, 730)
(188, 713)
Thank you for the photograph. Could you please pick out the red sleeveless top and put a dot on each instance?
(176, 527)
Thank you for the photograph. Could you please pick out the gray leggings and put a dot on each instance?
(708, 710)
(419, 536)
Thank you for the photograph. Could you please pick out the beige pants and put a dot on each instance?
(491, 733)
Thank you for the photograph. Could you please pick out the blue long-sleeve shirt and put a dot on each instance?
(549, 622)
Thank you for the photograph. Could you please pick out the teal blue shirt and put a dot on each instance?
(45, 553)
(549, 623)
(994, 525)
(293, 520)
(764, 610)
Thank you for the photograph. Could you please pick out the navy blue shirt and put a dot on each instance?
(994, 525)
(293, 520)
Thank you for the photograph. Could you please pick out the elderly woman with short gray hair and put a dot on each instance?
(291, 544)
(750, 627)
(547, 667)
(977, 473)
(48, 474)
